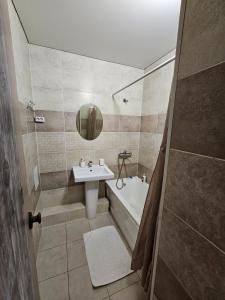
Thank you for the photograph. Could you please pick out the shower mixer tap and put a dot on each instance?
(124, 154)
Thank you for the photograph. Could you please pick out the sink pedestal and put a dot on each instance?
(91, 198)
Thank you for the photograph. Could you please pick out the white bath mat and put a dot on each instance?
(107, 256)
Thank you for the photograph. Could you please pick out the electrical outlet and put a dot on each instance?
(39, 119)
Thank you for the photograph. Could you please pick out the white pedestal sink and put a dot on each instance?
(91, 177)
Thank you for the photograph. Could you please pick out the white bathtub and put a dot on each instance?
(127, 205)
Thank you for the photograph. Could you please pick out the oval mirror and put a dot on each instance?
(89, 121)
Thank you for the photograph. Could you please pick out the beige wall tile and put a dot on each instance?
(130, 123)
(73, 157)
(54, 121)
(21, 57)
(48, 99)
(51, 142)
(70, 121)
(75, 98)
(129, 140)
(45, 67)
(53, 197)
(52, 162)
(146, 158)
(111, 123)
(156, 90)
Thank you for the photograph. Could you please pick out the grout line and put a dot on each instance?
(193, 229)
(40, 281)
(59, 245)
(124, 288)
(197, 154)
(201, 70)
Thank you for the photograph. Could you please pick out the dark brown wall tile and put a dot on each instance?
(53, 180)
(167, 286)
(195, 191)
(70, 121)
(203, 36)
(198, 122)
(199, 265)
(111, 123)
(54, 121)
(130, 123)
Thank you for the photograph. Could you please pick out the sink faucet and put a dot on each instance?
(90, 163)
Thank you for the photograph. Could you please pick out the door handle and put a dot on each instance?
(33, 219)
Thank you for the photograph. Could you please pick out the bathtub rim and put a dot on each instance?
(127, 206)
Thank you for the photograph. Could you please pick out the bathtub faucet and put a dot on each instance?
(90, 163)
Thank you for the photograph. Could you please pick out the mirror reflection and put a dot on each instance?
(89, 121)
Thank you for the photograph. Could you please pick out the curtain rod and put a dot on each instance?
(145, 75)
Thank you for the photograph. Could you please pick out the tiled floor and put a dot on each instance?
(62, 265)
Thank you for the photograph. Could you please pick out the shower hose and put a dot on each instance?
(120, 168)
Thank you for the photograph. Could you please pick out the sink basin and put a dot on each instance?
(91, 177)
(93, 173)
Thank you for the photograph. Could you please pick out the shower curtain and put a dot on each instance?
(144, 248)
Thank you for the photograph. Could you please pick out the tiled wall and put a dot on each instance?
(62, 82)
(23, 80)
(156, 92)
(191, 262)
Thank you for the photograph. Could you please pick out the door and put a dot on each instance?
(18, 279)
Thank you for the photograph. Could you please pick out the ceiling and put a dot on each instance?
(129, 32)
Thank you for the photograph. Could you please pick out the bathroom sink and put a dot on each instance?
(91, 176)
(93, 173)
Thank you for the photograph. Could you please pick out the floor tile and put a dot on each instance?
(76, 228)
(51, 262)
(122, 283)
(80, 286)
(55, 288)
(52, 236)
(101, 220)
(76, 254)
(133, 292)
